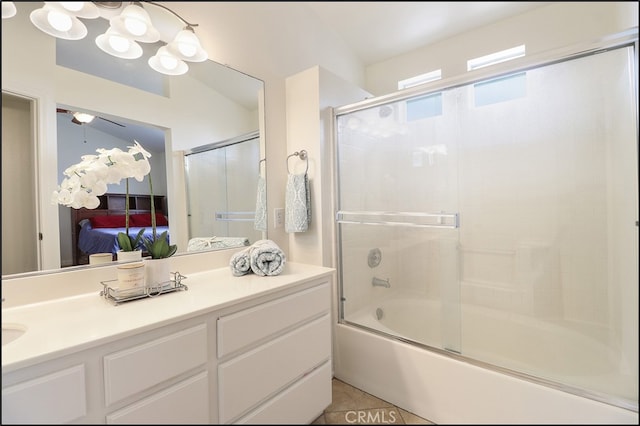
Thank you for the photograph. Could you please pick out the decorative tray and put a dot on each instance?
(111, 292)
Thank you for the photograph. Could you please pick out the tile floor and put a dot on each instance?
(354, 406)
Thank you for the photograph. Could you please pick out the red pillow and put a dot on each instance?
(144, 219)
(115, 221)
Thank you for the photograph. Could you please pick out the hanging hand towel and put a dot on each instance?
(240, 262)
(267, 259)
(261, 205)
(297, 203)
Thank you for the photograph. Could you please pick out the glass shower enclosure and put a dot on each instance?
(497, 220)
(222, 185)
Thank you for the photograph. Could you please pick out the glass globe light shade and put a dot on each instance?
(186, 46)
(59, 20)
(83, 117)
(8, 9)
(118, 45)
(72, 6)
(135, 22)
(53, 20)
(135, 25)
(187, 43)
(169, 62)
(166, 63)
(79, 9)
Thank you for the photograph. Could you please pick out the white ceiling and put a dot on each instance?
(377, 31)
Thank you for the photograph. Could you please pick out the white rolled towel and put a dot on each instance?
(266, 258)
(240, 262)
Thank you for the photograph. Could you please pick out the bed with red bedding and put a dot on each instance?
(95, 237)
(96, 230)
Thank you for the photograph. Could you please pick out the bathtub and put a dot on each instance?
(373, 353)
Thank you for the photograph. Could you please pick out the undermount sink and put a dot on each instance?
(11, 332)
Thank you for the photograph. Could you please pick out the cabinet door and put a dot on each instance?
(299, 404)
(241, 329)
(138, 368)
(186, 402)
(58, 397)
(251, 378)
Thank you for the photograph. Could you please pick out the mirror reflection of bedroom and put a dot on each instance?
(89, 231)
(221, 180)
(221, 183)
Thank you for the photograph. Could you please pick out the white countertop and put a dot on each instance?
(66, 325)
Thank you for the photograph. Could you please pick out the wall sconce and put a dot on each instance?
(129, 23)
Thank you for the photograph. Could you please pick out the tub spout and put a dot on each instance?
(379, 282)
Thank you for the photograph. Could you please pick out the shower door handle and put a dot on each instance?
(420, 219)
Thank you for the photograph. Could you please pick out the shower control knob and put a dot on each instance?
(374, 258)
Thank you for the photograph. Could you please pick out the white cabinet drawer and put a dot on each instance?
(312, 395)
(240, 329)
(186, 402)
(140, 367)
(55, 398)
(250, 378)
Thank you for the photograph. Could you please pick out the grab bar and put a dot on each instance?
(419, 219)
(236, 216)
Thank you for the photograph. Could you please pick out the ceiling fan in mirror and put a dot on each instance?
(81, 118)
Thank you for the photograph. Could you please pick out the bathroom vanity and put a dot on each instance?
(247, 349)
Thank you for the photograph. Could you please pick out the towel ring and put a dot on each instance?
(303, 156)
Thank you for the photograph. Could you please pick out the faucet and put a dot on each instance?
(379, 282)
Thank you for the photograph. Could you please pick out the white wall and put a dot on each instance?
(309, 95)
(541, 30)
(20, 250)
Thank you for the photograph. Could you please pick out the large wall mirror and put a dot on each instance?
(212, 111)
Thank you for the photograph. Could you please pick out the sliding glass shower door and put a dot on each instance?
(222, 186)
(498, 220)
(398, 219)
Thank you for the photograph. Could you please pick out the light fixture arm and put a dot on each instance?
(118, 4)
(189, 24)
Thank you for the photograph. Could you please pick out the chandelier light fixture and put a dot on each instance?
(130, 23)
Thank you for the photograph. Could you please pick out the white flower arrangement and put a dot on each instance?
(87, 180)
